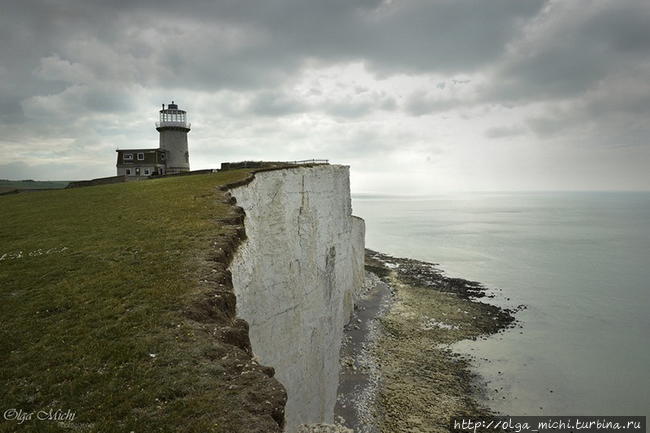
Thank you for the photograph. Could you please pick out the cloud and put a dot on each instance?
(244, 45)
(274, 103)
(570, 48)
(505, 131)
(419, 104)
(53, 68)
(220, 44)
(77, 99)
(612, 113)
(341, 79)
(585, 70)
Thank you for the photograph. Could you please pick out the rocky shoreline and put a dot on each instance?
(397, 371)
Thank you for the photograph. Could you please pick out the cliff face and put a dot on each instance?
(296, 277)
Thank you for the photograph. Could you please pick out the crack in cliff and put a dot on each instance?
(302, 204)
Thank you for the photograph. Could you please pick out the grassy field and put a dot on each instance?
(94, 285)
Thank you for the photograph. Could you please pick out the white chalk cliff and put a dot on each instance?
(296, 277)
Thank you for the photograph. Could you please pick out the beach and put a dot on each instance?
(398, 371)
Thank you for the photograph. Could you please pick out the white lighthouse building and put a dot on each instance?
(173, 128)
(172, 156)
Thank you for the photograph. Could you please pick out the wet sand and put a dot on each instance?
(398, 373)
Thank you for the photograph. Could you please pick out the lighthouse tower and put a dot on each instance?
(173, 128)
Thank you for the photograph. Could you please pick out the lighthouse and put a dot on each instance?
(172, 156)
(173, 128)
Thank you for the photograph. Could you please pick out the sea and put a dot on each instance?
(578, 261)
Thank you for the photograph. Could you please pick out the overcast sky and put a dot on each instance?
(417, 96)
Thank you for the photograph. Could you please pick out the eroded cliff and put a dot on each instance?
(296, 277)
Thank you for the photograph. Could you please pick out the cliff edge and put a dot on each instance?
(120, 313)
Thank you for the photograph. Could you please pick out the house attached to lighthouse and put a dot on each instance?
(172, 156)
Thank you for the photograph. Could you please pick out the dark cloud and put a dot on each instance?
(217, 44)
(614, 115)
(504, 131)
(274, 103)
(240, 45)
(76, 74)
(586, 67)
(572, 47)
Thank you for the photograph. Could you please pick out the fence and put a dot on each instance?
(265, 164)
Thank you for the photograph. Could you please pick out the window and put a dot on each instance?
(128, 157)
(128, 172)
(140, 156)
(146, 172)
(162, 156)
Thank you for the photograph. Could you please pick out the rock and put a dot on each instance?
(322, 428)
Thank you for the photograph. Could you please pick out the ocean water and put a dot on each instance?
(579, 261)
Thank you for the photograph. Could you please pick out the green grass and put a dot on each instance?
(92, 288)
